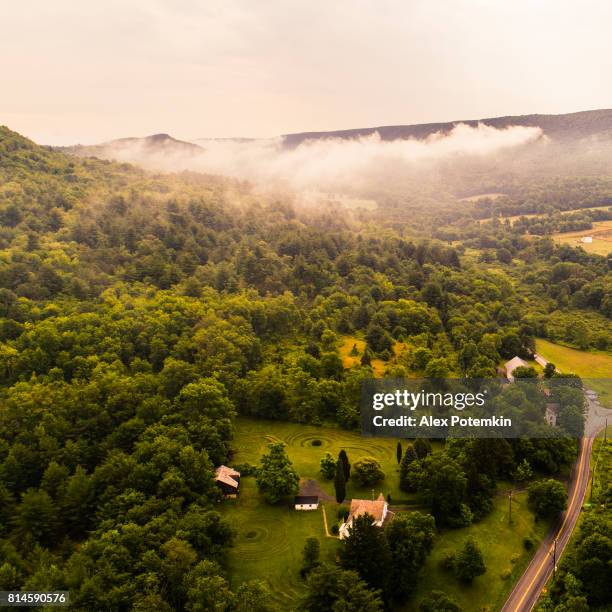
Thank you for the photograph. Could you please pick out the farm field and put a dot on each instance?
(602, 238)
(594, 366)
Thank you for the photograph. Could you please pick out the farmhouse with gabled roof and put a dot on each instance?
(228, 480)
(513, 364)
(377, 509)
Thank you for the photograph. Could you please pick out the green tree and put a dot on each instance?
(410, 537)
(408, 458)
(346, 466)
(549, 370)
(254, 595)
(310, 556)
(328, 466)
(340, 483)
(276, 477)
(332, 589)
(547, 498)
(398, 452)
(37, 516)
(438, 601)
(366, 551)
(367, 471)
(444, 487)
(524, 372)
(469, 562)
(524, 471)
(422, 447)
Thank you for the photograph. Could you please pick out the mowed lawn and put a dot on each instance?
(306, 445)
(269, 542)
(504, 554)
(595, 367)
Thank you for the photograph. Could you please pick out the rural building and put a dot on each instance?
(377, 509)
(228, 480)
(587, 239)
(510, 366)
(306, 502)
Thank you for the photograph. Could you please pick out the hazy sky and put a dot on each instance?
(79, 71)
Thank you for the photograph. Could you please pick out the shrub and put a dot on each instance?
(246, 469)
(316, 443)
(367, 471)
(527, 543)
(447, 562)
(335, 529)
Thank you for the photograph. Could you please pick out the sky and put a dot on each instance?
(86, 72)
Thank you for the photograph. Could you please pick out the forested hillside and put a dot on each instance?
(140, 313)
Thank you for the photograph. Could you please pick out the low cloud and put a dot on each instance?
(328, 163)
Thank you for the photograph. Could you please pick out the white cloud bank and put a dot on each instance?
(330, 162)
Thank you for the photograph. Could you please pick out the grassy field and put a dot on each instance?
(253, 436)
(269, 543)
(589, 365)
(602, 238)
(502, 547)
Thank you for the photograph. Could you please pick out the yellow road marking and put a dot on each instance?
(546, 557)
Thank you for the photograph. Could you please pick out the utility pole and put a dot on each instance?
(510, 507)
(554, 558)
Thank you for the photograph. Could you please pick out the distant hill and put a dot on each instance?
(570, 126)
(129, 149)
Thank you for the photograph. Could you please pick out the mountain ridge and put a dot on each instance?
(564, 126)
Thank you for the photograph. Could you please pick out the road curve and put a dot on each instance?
(527, 590)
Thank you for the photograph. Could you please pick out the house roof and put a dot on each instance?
(375, 509)
(515, 362)
(306, 499)
(227, 476)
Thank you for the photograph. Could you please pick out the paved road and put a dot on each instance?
(527, 590)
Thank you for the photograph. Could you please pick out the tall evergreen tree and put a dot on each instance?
(398, 452)
(340, 483)
(346, 466)
(409, 457)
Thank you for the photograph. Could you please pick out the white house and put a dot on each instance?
(587, 239)
(306, 502)
(510, 366)
(378, 510)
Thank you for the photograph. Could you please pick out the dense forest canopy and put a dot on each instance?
(140, 313)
